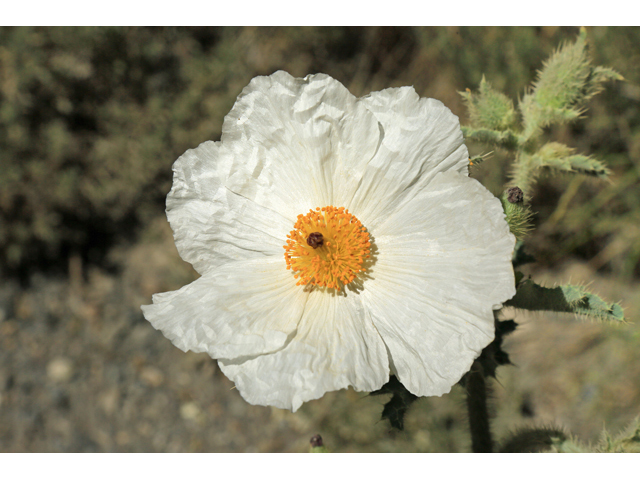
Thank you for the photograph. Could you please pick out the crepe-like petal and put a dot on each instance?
(211, 224)
(298, 143)
(421, 137)
(444, 265)
(441, 247)
(243, 308)
(336, 346)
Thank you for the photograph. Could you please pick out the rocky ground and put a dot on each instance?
(82, 371)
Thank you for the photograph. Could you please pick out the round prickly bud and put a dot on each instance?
(317, 445)
(515, 195)
(316, 441)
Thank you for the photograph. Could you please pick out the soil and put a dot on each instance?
(81, 370)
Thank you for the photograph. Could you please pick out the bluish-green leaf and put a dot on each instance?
(565, 298)
(507, 139)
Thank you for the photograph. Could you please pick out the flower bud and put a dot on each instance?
(515, 195)
(317, 445)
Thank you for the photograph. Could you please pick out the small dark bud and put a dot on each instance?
(315, 240)
(515, 195)
(316, 440)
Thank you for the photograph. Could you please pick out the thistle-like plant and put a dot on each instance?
(559, 95)
(627, 441)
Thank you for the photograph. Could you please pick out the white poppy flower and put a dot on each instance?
(408, 258)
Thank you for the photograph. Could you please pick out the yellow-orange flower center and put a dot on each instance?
(327, 247)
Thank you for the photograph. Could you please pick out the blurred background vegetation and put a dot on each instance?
(91, 120)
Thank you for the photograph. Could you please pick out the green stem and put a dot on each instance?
(524, 173)
(481, 441)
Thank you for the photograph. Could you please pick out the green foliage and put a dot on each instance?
(561, 157)
(551, 439)
(589, 216)
(566, 81)
(322, 449)
(493, 355)
(519, 217)
(626, 442)
(316, 445)
(558, 157)
(501, 139)
(489, 109)
(565, 298)
(520, 257)
(401, 399)
(558, 96)
(533, 440)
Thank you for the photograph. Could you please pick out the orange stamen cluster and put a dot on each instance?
(336, 262)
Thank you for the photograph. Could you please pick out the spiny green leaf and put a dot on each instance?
(568, 446)
(507, 139)
(565, 298)
(493, 355)
(561, 157)
(599, 75)
(489, 108)
(520, 257)
(563, 77)
(627, 442)
(396, 408)
(581, 164)
(564, 84)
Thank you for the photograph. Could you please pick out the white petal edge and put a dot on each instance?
(336, 346)
(211, 224)
(421, 137)
(242, 309)
(444, 265)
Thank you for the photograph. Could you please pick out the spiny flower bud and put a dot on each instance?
(316, 441)
(515, 195)
(519, 216)
(317, 445)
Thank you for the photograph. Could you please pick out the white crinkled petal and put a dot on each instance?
(298, 143)
(241, 309)
(213, 225)
(443, 266)
(336, 346)
(421, 138)
(398, 163)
